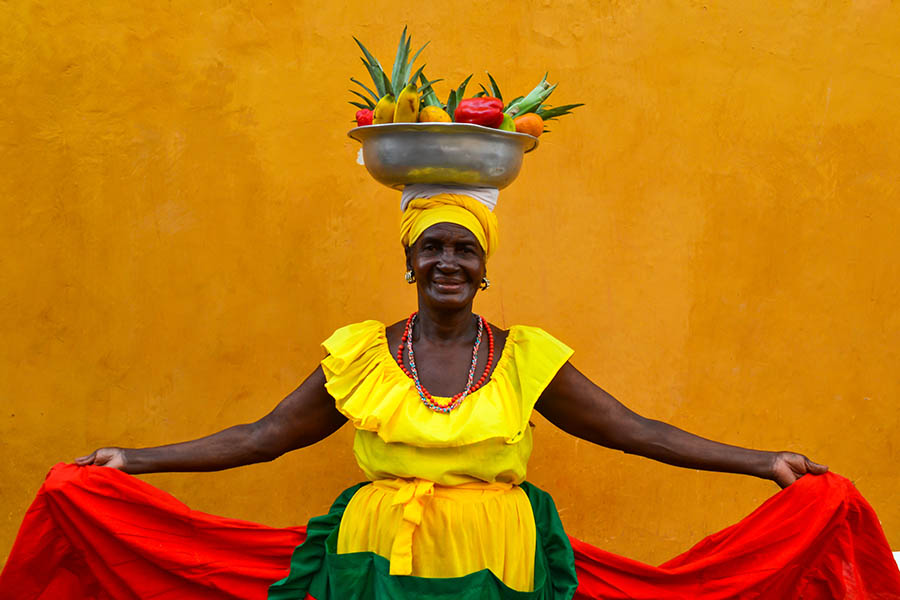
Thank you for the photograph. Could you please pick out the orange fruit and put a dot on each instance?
(529, 123)
(433, 114)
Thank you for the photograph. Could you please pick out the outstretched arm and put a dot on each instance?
(575, 405)
(303, 418)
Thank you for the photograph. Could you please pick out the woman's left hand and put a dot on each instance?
(788, 467)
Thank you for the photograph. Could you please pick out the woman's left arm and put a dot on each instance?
(574, 404)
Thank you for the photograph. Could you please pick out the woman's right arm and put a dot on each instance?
(304, 417)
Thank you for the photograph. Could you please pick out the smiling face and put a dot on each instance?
(448, 263)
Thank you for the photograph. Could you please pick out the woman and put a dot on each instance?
(441, 403)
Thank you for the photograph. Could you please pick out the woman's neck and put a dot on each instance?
(443, 326)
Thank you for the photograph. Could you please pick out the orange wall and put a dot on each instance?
(715, 234)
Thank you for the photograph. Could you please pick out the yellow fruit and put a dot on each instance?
(530, 123)
(508, 124)
(384, 110)
(407, 110)
(434, 114)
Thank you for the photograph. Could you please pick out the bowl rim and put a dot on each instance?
(527, 141)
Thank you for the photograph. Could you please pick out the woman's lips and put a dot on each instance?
(448, 285)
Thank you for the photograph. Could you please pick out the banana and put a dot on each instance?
(384, 110)
(407, 110)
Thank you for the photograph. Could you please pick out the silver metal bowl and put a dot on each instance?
(398, 154)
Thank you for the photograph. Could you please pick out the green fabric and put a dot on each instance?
(318, 570)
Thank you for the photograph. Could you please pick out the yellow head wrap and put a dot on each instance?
(422, 213)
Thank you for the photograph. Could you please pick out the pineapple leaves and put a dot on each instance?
(461, 90)
(457, 95)
(412, 62)
(386, 84)
(451, 103)
(547, 113)
(400, 62)
(376, 74)
(415, 76)
(366, 99)
(369, 59)
(363, 86)
(495, 89)
(374, 69)
(400, 73)
(426, 86)
(429, 98)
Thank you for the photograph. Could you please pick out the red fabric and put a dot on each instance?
(816, 540)
(97, 533)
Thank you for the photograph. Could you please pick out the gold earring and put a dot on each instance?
(485, 283)
(410, 276)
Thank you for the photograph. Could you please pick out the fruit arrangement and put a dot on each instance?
(408, 97)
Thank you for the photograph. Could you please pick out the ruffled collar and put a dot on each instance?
(498, 368)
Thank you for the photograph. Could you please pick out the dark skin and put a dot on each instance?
(449, 264)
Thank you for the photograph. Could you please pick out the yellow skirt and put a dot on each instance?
(430, 530)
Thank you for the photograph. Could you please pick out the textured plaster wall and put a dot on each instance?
(715, 234)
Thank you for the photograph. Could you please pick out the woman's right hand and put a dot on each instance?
(104, 457)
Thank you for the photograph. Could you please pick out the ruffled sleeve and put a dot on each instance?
(371, 390)
(536, 357)
(364, 386)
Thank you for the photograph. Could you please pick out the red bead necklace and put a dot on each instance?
(412, 373)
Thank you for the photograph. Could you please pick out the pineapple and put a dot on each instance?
(401, 84)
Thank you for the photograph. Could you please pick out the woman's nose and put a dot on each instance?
(447, 260)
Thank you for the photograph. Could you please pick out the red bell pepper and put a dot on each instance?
(363, 117)
(485, 111)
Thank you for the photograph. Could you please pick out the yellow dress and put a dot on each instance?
(445, 500)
